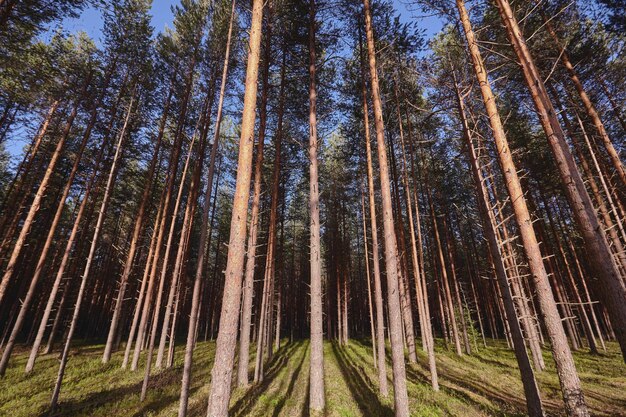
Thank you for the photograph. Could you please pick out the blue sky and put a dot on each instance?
(90, 20)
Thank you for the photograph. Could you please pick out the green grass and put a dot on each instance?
(484, 384)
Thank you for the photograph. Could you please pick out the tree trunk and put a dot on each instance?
(317, 400)
(248, 293)
(219, 395)
(566, 369)
(94, 243)
(204, 234)
(117, 310)
(613, 289)
(91, 185)
(28, 222)
(589, 107)
(531, 390)
(378, 292)
(367, 276)
(391, 253)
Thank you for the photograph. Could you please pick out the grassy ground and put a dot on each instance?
(484, 384)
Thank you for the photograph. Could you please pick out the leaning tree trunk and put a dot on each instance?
(204, 234)
(566, 369)
(531, 390)
(612, 287)
(219, 395)
(123, 282)
(92, 184)
(589, 107)
(317, 400)
(391, 252)
(17, 327)
(92, 250)
(159, 294)
(40, 194)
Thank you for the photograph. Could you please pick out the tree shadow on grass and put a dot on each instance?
(292, 383)
(457, 385)
(365, 396)
(243, 406)
(98, 399)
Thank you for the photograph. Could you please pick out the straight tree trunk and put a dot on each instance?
(248, 292)
(369, 286)
(221, 373)
(204, 233)
(401, 399)
(117, 310)
(188, 218)
(378, 292)
(317, 401)
(159, 294)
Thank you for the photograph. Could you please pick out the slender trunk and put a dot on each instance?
(367, 276)
(391, 252)
(613, 289)
(91, 185)
(41, 191)
(426, 330)
(248, 293)
(144, 281)
(447, 295)
(566, 369)
(169, 189)
(94, 243)
(190, 208)
(24, 168)
(221, 373)
(159, 294)
(204, 234)
(317, 400)
(378, 292)
(117, 310)
(46, 247)
(589, 107)
(531, 390)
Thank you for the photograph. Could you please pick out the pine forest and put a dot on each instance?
(335, 208)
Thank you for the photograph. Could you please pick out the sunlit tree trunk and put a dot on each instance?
(117, 310)
(612, 287)
(531, 390)
(94, 243)
(41, 191)
(378, 292)
(589, 107)
(566, 369)
(391, 252)
(204, 233)
(219, 395)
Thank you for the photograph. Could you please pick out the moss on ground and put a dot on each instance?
(483, 384)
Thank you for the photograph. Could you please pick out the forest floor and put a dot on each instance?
(486, 383)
